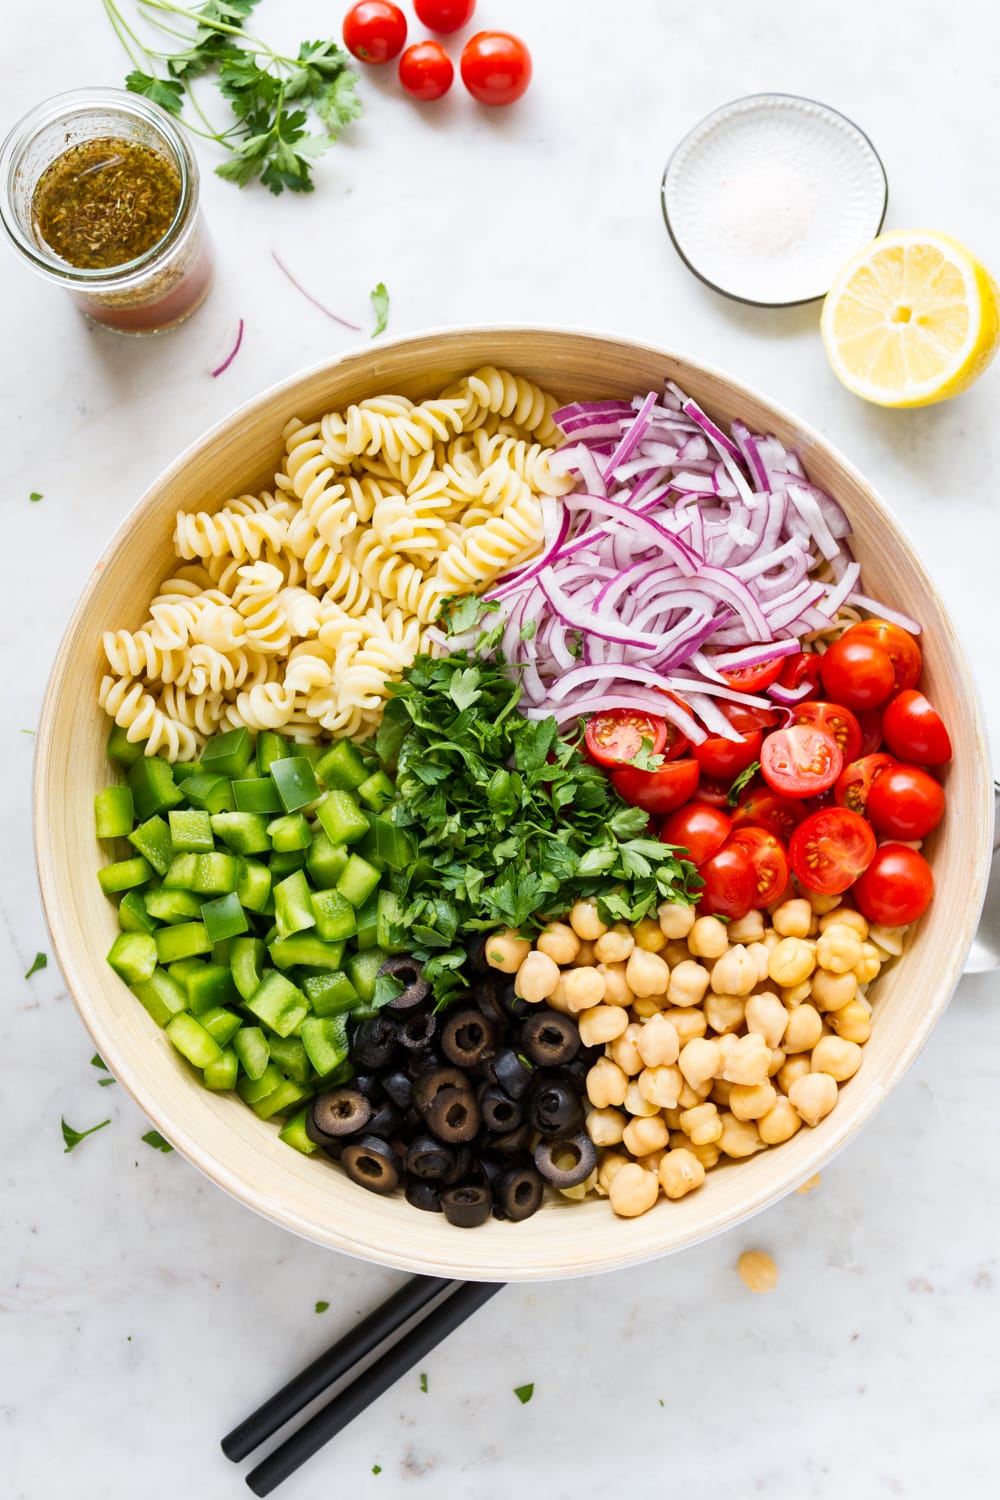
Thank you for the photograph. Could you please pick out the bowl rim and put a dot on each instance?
(341, 1239)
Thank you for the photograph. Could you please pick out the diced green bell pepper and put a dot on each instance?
(335, 916)
(377, 792)
(209, 791)
(221, 1024)
(296, 782)
(182, 941)
(385, 844)
(252, 1089)
(244, 832)
(133, 915)
(341, 768)
(367, 919)
(285, 1097)
(217, 874)
(342, 818)
(290, 832)
(191, 830)
(292, 907)
(254, 886)
(277, 1002)
(162, 996)
(325, 1042)
(124, 874)
(192, 1040)
(358, 880)
(228, 754)
(362, 969)
(132, 955)
(325, 861)
(224, 917)
(257, 795)
(181, 873)
(271, 747)
(330, 994)
(168, 905)
(152, 839)
(185, 768)
(114, 812)
(120, 748)
(293, 1133)
(287, 863)
(305, 948)
(291, 1056)
(221, 1075)
(247, 960)
(153, 786)
(252, 1049)
(211, 985)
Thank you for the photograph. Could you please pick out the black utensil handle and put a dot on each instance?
(332, 1418)
(334, 1362)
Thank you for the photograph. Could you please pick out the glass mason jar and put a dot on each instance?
(151, 292)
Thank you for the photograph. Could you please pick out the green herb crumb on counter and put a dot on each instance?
(423, 1381)
(36, 496)
(376, 1468)
(74, 1137)
(321, 1307)
(524, 1393)
(380, 302)
(154, 1138)
(41, 962)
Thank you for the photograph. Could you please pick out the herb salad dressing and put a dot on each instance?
(105, 202)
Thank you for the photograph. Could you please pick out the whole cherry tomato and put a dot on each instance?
(870, 724)
(730, 884)
(374, 31)
(496, 67)
(905, 802)
(896, 888)
(914, 730)
(800, 761)
(697, 827)
(767, 855)
(854, 784)
(718, 756)
(830, 849)
(426, 71)
(897, 643)
(615, 736)
(857, 672)
(444, 15)
(762, 808)
(659, 791)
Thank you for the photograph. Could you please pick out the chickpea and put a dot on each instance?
(708, 1153)
(777, 1061)
(749, 929)
(632, 1191)
(793, 918)
(721, 1091)
(766, 1015)
(687, 1023)
(673, 1118)
(610, 1165)
(559, 942)
(648, 935)
(779, 1124)
(636, 1102)
(820, 903)
(739, 1137)
(580, 1191)
(646, 973)
(606, 1126)
(852, 1022)
(583, 988)
(845, 916)
(831, 991)
(646, 1134)
(658, 1043)
(602, 1024)
(794, 994)
(688, 983)
(676, 952)
(804, 1029)
(506, 951)
(752, 1102)
(760, 953)
(836, 1056)
(536, 978)
(680, 1172)
(606, 1083)
(708, 938)
(868, 968)
(651, 1161)
(809, 1184)
(699, 1060)
(838, 948)
(585, 955)
(758, 1271)
(792, 960)
(615, 945)
(557, 1000)
(585, 922)
(795, 1067)
(689, 1096)
(735, 973)
(813, 1096)
(702, 1124)
(724, 1012)
(616, 990)
(648, 1006)
(624, 1050)
(771, 939)
(675, 920)
(661, 1087)
(748, 1060)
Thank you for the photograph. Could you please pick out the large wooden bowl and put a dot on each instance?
(218, 1133)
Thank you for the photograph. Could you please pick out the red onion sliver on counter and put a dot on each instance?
(221, 368)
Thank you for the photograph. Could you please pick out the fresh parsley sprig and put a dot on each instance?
(271, 95)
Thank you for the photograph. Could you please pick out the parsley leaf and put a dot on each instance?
(41, 962)
(743, 779)
(387, 989)
(35, 495)
(524, 1393)
(380, 302)
(459, 613)
(74, 1137)
(166, 92)
(423, 1382)
(644, 759)
(321, 1307)
(97, 1061)
(154, 1138)
(376, 1468)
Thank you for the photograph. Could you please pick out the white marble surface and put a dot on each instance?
(142, 1312)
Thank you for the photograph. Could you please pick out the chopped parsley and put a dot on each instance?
(743, 779)
(74, 1137)
(154, 1138)
(97, 1061)
(380, 302)
(322, 1306)
(376, 1468)
(423, 1381)
(644, 759)
(524, 1393)
(35, 495)
(41, 962)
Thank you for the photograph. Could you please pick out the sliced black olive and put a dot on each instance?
(416, 1032)
(519, 1193)
(429, 1159)
(333, 1145)
(576, 1071)
(510, 1073)
(386, 1120)
(514, 1005)
(461, 1167)
(342, 1111)
(418, 1062)
(567, 1160)
(486, 994)
(467, 1206)
(490, 1169)
(467, 1037)
(368, 1084)
(589, 1055)
(371, 1163)
(399, 1088)
(549, 1038)
(432, 1081)
(375, 1043)
(408, 972)
(476, 950)
(514, 1140)
(454, 1115)
(500, 1112)
(555, 1107)
(423, 1195)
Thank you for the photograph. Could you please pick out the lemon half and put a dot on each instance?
(912, 319)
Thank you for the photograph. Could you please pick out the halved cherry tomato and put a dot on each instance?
(905, 802)
(856, 780)
(699, 828)
(914, 730)
(838, 722)
(374, 30)
(730, 884)
(800, 761)
(870, 724)
(426, 71)
(715, 790)
(897, 643)
(762, 808)
(896, 888)
(727, 758)
(830, 849)
(857, 673)
(800, 668)
(615, 736)
(659, 791)
(756, 678)
(745, 716)
(496, 67)
(767, 855)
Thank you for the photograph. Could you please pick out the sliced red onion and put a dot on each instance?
(632, 436)
(224, 366)
(787, 696)
(894, 616)
(309, 296)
